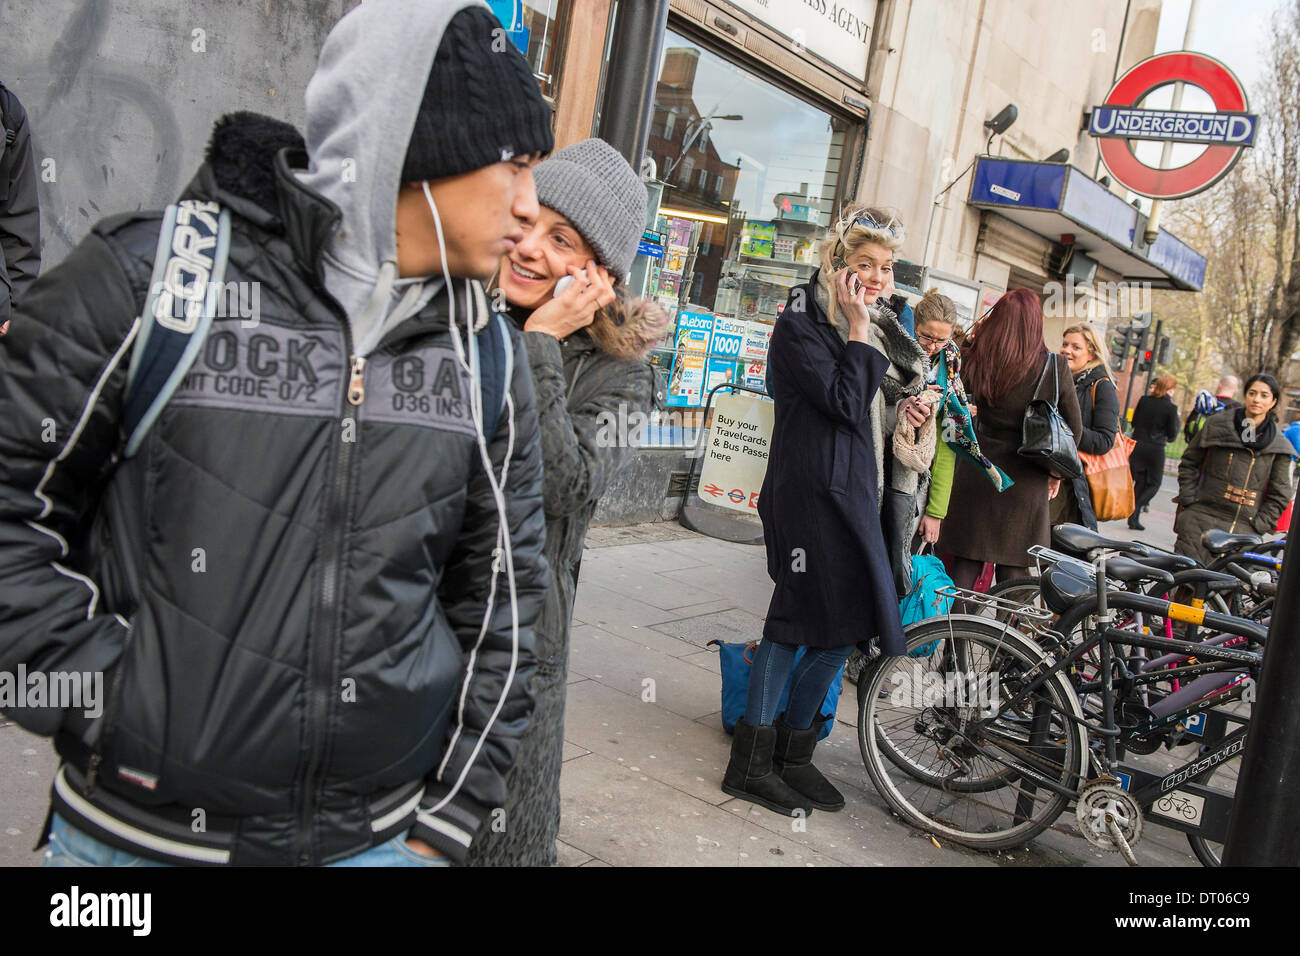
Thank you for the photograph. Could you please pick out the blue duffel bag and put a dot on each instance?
(735, 660)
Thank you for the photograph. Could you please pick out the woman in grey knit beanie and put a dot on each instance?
(587, 343)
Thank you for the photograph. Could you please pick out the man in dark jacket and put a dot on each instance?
(20, 212)
(310, 593)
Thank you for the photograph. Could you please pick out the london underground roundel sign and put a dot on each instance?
(1226, 131)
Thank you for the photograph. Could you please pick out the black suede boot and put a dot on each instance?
(792, 759)
(749, 774)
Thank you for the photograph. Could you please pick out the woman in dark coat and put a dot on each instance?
(985, 525)
(825, 551)
(1236, 473)
(586, 347)
(1155, 424)
(1099, 412)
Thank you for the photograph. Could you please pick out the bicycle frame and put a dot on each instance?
(1105, 638)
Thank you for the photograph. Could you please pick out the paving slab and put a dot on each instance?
(566, 855)
(646, 674)
(629, 819)
(735, 625)
(27, 765)
(645, 739)
(625, 615)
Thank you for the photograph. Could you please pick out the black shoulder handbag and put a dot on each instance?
(1046, 439)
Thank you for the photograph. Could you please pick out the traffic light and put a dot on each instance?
(1164, 350)
(1144, 361)
(1119, 348)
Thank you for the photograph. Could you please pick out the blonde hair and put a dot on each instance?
(881, 226)
(935, 307)
(1089, 336)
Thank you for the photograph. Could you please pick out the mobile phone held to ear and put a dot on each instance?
(855, 284)
(566, 281)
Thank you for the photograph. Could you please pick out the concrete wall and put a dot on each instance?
(122, 93)
(958, 62)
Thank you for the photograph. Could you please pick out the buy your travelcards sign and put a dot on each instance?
(1226, 131)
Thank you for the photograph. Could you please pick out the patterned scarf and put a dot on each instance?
(957, 428)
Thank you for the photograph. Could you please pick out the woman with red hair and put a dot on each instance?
(1002, 362)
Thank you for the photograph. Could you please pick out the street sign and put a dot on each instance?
(1228, 130)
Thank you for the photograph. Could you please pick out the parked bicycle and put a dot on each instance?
(989, 739)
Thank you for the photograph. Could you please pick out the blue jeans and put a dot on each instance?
(812, 678)
(70, 847)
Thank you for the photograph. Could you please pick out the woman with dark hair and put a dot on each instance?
(994, 526)
(1099, 412)
(1236, 473)
(1155, 424)
(587, 341)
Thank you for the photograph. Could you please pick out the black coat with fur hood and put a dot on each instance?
(590, 400)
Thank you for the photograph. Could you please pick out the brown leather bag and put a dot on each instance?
(1109, 478)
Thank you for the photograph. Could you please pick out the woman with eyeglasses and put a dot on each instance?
(936, 328)
(820, 509)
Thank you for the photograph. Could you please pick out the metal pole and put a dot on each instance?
(634, 53)
(1155, 348)
(1262, 830)
(1152, 231)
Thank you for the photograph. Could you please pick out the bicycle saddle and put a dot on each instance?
(1078, 540)
(1062, 587)
(1213, 580)
(1168, 562)
(1220, 542)
(1130, 571)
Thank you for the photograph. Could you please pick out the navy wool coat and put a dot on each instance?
(821, 526)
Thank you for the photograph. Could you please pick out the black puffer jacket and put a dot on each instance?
(286, 591)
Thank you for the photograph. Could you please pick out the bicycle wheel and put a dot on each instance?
(966, 766)
(1024, 591)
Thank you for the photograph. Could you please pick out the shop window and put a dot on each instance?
(534, 28)
(751, 175)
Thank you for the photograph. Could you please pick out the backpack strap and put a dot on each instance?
(189, 272)
(490, 349)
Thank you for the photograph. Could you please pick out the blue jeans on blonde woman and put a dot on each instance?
(808, 685)
(771, 756)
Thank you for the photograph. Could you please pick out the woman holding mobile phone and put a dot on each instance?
(587, 339)
(821, 521)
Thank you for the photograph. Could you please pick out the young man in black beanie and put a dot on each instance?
(305, 585)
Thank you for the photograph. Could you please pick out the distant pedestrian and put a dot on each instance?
(587, 348)
(1205, 404)
(988, 526)
(1236, 473)
(1099, 410)
(1226, 391)
(1155, 424)
(20, 212)
(825, 549)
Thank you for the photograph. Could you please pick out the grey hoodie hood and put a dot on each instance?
(362, 103)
